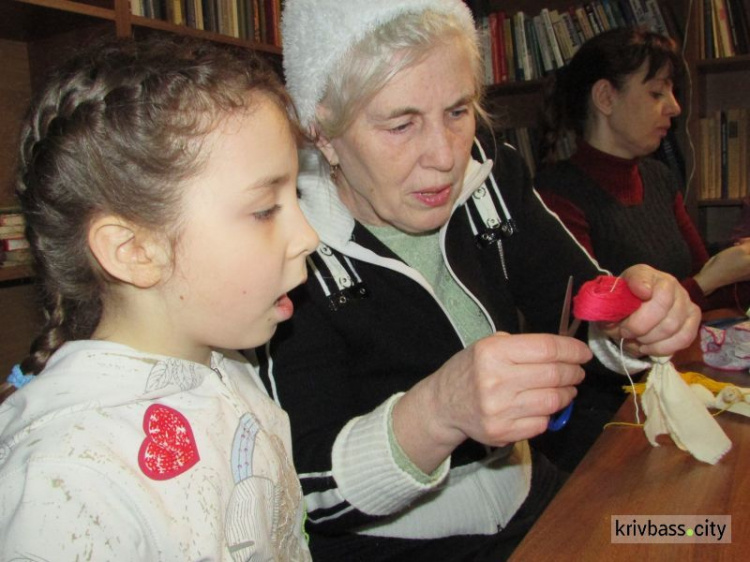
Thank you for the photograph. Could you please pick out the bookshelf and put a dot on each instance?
(717, 82)
(34, 36)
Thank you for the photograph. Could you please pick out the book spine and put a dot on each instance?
(14, 243)
(576, 40)
(559, 61)
(591, 15)
(544, 44)
(524, 57)
(660, 26)
(485, 44)
(720, 13)
(601, 15)
(708, 30)
(510, 55)
(724, 155)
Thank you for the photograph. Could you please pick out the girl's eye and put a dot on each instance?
(266, 214)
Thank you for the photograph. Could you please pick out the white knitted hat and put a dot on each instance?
(317, 33)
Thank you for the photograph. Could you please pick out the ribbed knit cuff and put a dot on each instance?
(367, 472)
(609, 353)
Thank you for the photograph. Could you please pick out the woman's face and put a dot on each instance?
(403, 158)
(641, 114)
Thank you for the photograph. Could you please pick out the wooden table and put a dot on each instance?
(623, 474)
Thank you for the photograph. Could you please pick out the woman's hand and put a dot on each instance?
(667, 319)
(729, 266)
(500, 390)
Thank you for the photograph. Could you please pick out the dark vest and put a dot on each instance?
(621, 235)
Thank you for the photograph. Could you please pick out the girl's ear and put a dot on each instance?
(127, 252)
(603, 95)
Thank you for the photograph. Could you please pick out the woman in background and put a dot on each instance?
(624, 208)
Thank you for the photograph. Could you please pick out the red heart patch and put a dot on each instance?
(169, 448)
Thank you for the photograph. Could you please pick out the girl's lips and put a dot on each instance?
(285, 307)
(434, 197)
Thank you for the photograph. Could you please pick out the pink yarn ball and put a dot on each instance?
(605, 299)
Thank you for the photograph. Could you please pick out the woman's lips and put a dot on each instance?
(434, 197)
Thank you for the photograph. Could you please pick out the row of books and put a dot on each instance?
(725, 30)
(724, 156)
(252, 20)
(14, 248)
(521, 46)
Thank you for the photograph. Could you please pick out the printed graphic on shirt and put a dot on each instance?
(263, 510)
(169, 448)
(173, 372)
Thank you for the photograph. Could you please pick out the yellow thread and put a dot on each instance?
(623, 424)
(689, 377)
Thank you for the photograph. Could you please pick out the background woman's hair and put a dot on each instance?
(613, 56)
(118, 129)
(383, 53)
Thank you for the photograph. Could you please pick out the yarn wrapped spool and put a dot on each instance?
(605, 299)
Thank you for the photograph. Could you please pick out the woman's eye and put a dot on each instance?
(400, 128)
(459, 112)
(266, 214)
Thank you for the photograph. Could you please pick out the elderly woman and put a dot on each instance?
(410, 401)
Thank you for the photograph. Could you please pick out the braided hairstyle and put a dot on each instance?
(612, 55)
(118, 129)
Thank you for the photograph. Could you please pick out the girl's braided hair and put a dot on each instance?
(117, 130)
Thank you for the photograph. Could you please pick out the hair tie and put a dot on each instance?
(17, 378)
(605, 299)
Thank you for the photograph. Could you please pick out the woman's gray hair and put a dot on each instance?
(394, 46)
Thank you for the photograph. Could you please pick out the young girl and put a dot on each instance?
(158, 180)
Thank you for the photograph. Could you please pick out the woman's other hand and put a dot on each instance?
(729, 266)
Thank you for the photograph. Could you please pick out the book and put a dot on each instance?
(673, 23)
(613, 10)
(583, 20)
(8, 231)
(739, 27)
(14, 243)
(734, 189)
(724, 161)
(601, 15)
(16, 257)
(561, 33)
(639, 13)
(510, 55)
(544, 44)
(11, 217)
(492, 24)
(532, 42)
(707, 30)
(522, 49)
(593, 19)
(725, 34)
(557, 54)
(656, 17)
(576, 38)
(485, 45)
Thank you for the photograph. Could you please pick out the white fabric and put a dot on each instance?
(316, 35)
(72, 486)
(672, 408)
